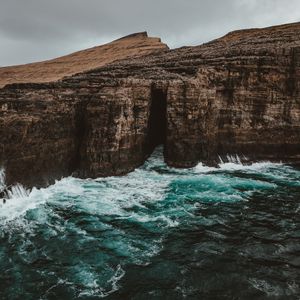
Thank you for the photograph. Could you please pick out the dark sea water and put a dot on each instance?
(231, 232)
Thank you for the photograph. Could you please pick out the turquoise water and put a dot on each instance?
(231, 232)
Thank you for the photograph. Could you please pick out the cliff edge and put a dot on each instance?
(237, 95)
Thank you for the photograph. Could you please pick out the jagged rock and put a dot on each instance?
(235, 95)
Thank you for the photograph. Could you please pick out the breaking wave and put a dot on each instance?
(156, 229)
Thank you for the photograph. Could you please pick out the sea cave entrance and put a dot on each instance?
(157, 124)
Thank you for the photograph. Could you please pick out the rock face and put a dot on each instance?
(237, 95)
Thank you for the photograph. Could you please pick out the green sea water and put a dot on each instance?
(231, 232)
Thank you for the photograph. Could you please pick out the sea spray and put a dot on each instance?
(2, 179)
(13, 191)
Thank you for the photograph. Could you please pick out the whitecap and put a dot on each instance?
(201, 168)
(235, 163)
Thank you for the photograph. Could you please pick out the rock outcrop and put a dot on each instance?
(237, 95)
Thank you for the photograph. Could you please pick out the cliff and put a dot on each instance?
(237, 95)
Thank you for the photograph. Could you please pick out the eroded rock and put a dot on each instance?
(235, 95)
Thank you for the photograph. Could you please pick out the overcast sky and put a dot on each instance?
(33, 30)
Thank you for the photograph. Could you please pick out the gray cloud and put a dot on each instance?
(34, 30)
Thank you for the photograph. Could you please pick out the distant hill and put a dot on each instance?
(133, 45)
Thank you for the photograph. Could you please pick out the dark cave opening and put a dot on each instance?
(79, 134)
(157, 124)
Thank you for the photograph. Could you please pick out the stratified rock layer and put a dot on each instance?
(238, 95)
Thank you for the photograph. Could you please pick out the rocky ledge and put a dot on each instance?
(101, 111)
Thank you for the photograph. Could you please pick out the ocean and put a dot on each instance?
(229, 232)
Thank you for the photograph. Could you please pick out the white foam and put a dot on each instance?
(19, 202)
(119, 274)
(15, 203)
(234, 163)
(201, 168)
(93, 288)
(118, 195)
(230, 166)
(143, 218)
(2, 178)
(107, 196)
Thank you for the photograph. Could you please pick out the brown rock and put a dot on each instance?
(235, 95)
